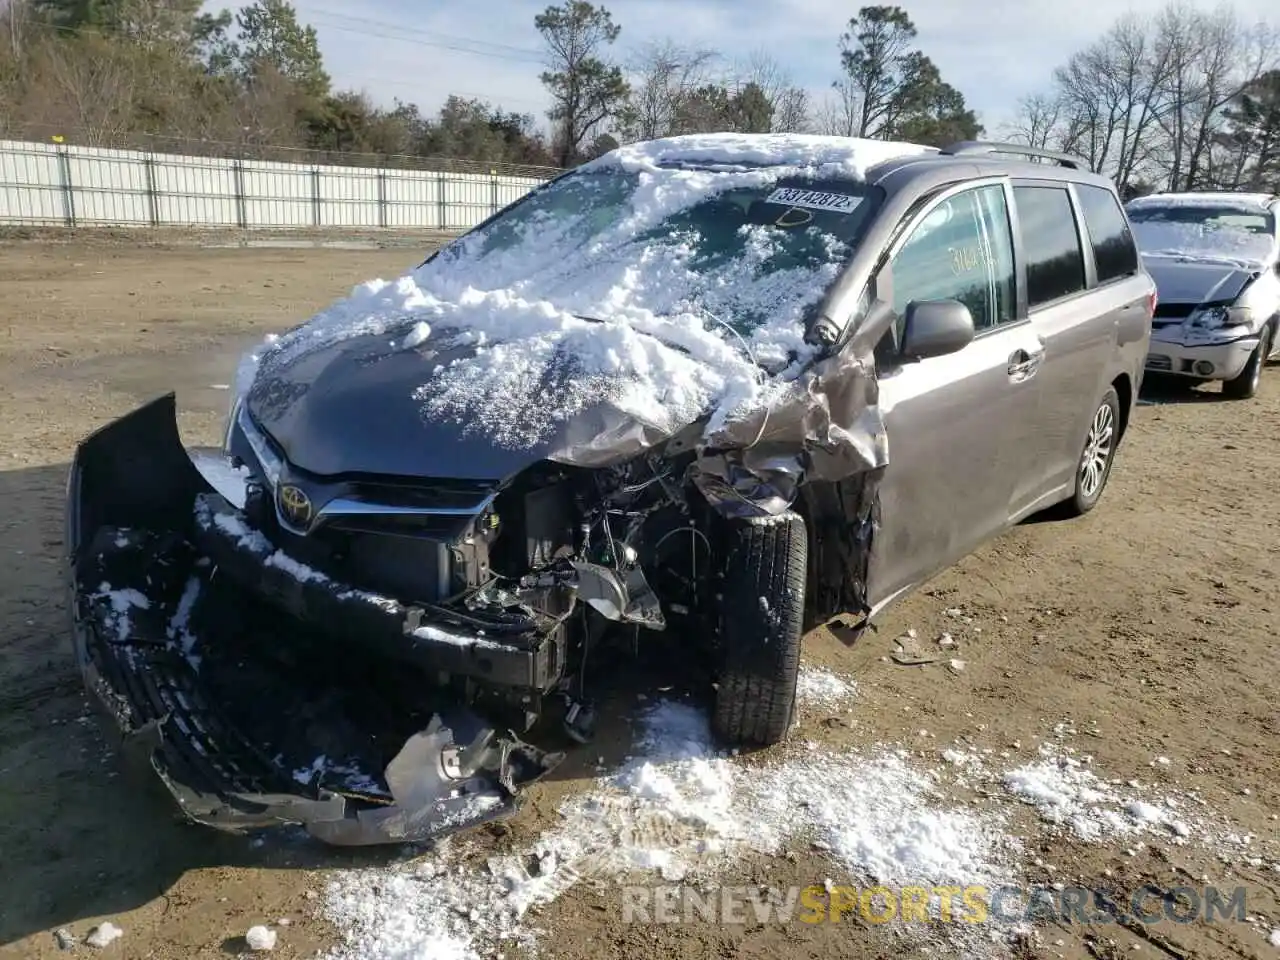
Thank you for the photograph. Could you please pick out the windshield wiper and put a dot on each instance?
(792, 356)
(647, 333)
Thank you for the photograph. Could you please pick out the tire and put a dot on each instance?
(761, 625)
(1100, 442)
(1245, 386)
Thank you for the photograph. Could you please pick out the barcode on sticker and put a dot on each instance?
(814, 199)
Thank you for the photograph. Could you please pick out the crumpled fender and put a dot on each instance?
(827, 426)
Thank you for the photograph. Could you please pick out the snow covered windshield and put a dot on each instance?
(665, 279)
(1204, 231)
(741, 249)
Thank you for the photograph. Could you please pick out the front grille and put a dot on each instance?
(1157, 361)
(461, 495)
(1174, 311)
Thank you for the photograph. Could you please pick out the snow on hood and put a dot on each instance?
(599, 274)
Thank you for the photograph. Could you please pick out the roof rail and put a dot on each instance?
(1016, 149)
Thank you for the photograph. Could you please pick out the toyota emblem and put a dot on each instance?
(295, 505)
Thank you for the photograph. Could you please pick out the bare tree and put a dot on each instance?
(838, 113)
(788, 103)
(92, 88)
(664, 79)
(1036, 122)
(1219, 57)
(14, 17)
(1252, 138)
(1147, 101)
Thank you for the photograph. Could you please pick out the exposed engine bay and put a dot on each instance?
(501, 589)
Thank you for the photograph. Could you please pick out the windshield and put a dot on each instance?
(1204, 231)
(741, 249)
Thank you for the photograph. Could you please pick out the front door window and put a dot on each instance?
(962, 250)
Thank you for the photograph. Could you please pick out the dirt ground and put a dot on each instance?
(1151, 624)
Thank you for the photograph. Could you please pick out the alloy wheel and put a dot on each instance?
(1097, 451)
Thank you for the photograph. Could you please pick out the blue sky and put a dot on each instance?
(422, 51)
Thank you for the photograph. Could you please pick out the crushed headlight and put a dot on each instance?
(1219, 317)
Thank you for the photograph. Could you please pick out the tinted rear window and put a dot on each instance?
(1112, 240)
(1050, 244)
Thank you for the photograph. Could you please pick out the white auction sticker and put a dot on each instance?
(814, 199)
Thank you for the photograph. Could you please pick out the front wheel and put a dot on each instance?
(1094, 466)
(761, 625)
(1245, 385)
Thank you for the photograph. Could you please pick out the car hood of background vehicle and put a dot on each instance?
(350, 406)
(1197, 280)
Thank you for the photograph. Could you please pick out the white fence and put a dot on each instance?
(49, 184)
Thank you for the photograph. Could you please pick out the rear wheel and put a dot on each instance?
(1246, 384)
(761, 624)
(1093, 469)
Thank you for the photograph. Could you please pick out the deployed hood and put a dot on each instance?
(363, 405)
(1197, 280)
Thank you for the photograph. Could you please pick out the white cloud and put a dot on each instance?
(993, 54)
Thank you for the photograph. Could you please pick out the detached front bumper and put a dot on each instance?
(270, 706)
(1203, 359)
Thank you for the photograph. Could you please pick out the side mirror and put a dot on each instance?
(935, 328)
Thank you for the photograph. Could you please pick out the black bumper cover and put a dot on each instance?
(133, 529)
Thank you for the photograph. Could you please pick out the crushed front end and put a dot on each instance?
(1202, 341)
(362, 658)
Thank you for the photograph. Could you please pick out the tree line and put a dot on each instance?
(887, 88)
(1182, 99)
(1185, 99)
(161, 74)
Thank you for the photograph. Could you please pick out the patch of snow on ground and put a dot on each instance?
(680, 808)
(1274, 939)
(880, 819)
(260, 938)
(1066, 793)
(822, 687)
(103, 934)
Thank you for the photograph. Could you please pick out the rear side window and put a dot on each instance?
(1050, 243)
(1113, 248)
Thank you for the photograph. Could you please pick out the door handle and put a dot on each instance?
(1023, 364)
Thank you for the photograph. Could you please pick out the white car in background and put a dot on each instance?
(1215, 258)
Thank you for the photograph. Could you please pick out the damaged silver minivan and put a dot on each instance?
(724, 386)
